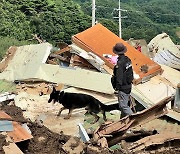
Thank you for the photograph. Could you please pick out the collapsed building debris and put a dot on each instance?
(165, 51)
(61, 55)
(7, 146)
(9, 56)
(35, 68)
(156, 89)
(125, 123)
(152, 140)
(143, 46)
(152, 76)
(99, 40)
(6, 96)
(44, 140)
(18, 133)
(93, 59)
(40, 88)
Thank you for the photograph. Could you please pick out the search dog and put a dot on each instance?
(73, 101)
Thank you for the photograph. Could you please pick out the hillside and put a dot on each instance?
(143, 19)
(51, 20)
(57, 20)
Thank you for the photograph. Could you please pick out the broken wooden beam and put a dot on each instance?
(148, 141)
(62, 50)
(78, 61)
(8, 57)
(130, 136)
(10, 147)
(127, 122)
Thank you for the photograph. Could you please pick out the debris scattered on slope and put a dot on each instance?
(74, 65)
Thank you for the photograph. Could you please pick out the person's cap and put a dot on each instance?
(119, 48)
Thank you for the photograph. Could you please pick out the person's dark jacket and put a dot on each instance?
(122, 75)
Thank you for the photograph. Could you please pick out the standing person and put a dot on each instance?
(138, 46)
(122, 78)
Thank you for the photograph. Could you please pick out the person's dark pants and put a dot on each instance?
(123, 99)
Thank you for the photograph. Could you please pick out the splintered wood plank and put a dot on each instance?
(9, 56)
(12, 148)
(62, 50)
(152, 140)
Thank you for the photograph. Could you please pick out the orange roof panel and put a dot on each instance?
(99, 40)
(19, 133)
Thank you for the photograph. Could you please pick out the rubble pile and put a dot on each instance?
(29, 124)
(3, 143)
(44, 140)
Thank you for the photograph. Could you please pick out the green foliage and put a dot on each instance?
(145, 19)
(52, 20)
(110, 24)
(58, 20)
(13, 22)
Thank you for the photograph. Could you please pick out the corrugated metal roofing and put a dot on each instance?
(6, 125)
(100, 40)
(19, 133)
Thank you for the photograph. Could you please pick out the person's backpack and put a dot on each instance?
(128, 71)
(113, 82)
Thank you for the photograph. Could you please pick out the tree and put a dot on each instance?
(53, 20)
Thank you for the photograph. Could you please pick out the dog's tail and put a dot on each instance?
(110, 107)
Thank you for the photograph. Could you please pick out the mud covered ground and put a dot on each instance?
(44, 141)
